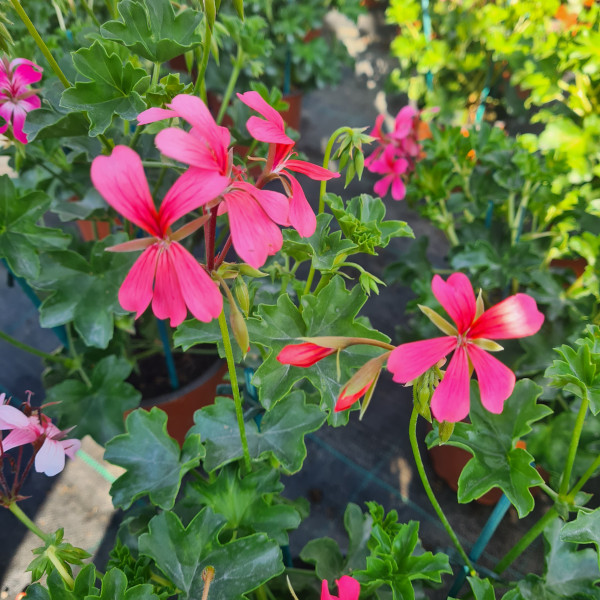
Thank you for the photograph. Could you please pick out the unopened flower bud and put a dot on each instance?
(361, 382)
(239, 328)
(445, 430)
(242, 294)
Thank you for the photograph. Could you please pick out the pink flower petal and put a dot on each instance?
(70, 447)
(18, 120)
(254, 235)
(167, 301)
(302, 216)
(151, 115)
(457, 297)
(19, 437)
(200, 292)
(31, 103)
(348, 588)
(408, 361)
(515, 317)
(25, 72)
(135, 293)
(382, 186)
(496, 380)
(312, 171)
(121, 181)
(11, 417)
(403, 123)
(186, 148)
(51, 458)
(325, 595)
(191, 190)
(345, 401)
(398, 189)
(451, 399)
(271, 130)
(275, 204)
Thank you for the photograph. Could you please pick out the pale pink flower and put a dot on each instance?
(165, 274)
(50, 458)
(348, 589)
(514, 317)
(16, 97)
(253, 213)
(280, 161)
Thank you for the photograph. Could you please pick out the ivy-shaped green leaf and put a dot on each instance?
(182, 553)
(152, 30)
(281, 434)
(82, 292)
(114, 88)
(21, 239)
(362, 221)
(585, 529)
(579, 371)
(114, 587)
(482, 588)
(491, 439)
(154, 462)
(57, 589)
(99, 410)
(325, 553)
(246, 502)
(332, 312)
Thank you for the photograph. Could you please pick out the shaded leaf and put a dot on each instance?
(585, 529)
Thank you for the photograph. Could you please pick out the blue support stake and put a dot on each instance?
(164, 338)
(427, 31)
(287, 73)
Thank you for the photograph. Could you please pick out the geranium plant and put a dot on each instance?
(209, 229)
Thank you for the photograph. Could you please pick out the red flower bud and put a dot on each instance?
(303, 355)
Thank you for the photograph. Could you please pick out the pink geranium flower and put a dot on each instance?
(254, 214)
(16, 97)
(392, 167)
(50, 458)
(348, 589)
(515, 317)
(280, 161)
(165, 274)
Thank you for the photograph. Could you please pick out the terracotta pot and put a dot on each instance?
(577, 265)
(86, 228)
(180, 405)
(293, 115)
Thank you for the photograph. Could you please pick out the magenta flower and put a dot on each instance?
(16, 97)
(37, 428)
(253, 213)
(303, 355)
(271, 130)
(348, 589)
(165, 274)
(392, 168)
(515, 317)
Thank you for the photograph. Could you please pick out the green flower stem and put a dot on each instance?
(412, 432)
(200, 85)
(525, 541)
(58, 565)
(40, 42)
(90, 13)
(566, 476)
(235, 73)
(16, 510)
(76, 359)
(51, 357)
(584, 478)
(235, 389)
(155, 73)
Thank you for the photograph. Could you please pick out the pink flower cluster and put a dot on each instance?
(397, 151)
(166, 274)
(16, 97)
(48, 440)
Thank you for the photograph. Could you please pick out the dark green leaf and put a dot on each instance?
(182, 553)
(57, 589)
(154, 461)
(99, 410)
(114, 587)
(152, 30)
(114, 88)
(585, 529)
(482, 588)
(491, 439)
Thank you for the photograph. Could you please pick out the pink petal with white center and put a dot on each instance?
(135, 293)
(348, 588)
(196, 113)
(186, 148)
(167, 301)
(191, 190)
(275, 204)
(25, 72)
(457, 297)
(302, 216)
(451, 399)
(11, 417)
(398, 189)
(30, 103)
(312, 171)
(6, 111)
(516, 317)
(496, 380)
(408, 361)
(70, 447)
(121, 181)
(200, 292)
(272, 130)
(18, 120)
(254, 235)
(51, 458)
(20, 437)
(151, 115)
